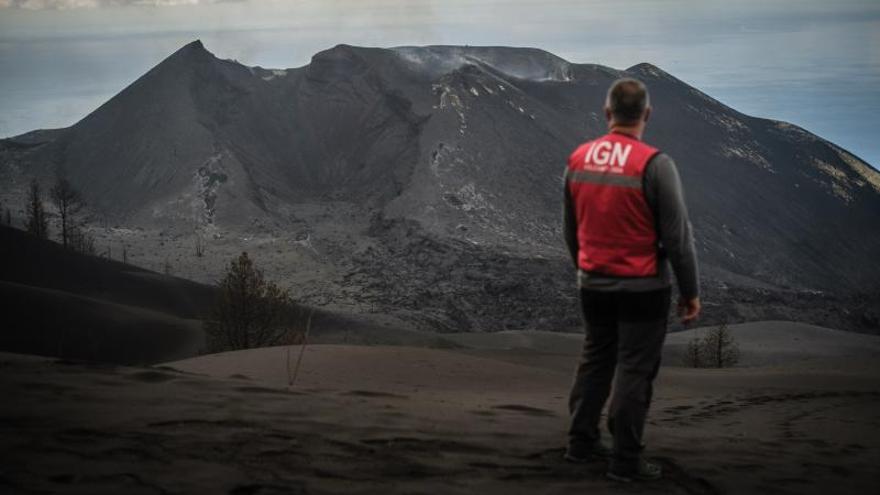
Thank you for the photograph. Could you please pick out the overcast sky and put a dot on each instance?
(814, 63)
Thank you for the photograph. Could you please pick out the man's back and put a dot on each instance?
(615, 225)
(624, 218)
(661, 188)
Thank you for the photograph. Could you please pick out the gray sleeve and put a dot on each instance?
(569, 222)
(664, 193)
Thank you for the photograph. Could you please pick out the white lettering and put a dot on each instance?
(619, 154)
(601, 153)
(589, 153)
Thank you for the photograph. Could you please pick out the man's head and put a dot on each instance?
(627, 104)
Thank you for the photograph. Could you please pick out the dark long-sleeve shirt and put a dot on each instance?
(665, 197)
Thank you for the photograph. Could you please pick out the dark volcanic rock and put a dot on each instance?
(441, 167)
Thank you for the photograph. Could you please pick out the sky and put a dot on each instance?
(810, 62)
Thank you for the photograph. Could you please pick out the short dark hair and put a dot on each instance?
(627, 100)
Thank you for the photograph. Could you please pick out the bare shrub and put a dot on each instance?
(200, 246)
(303, 340)
(716, 349)
(69, 202)
(720, 348)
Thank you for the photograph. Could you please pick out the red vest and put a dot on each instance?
(615, 226)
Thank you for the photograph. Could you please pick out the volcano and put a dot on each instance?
(425, 183)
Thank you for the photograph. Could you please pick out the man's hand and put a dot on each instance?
(688, 309)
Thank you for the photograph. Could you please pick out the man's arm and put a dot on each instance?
(569, 222)
(665, 193)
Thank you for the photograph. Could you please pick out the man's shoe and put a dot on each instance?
(583, 452)
(645, 471)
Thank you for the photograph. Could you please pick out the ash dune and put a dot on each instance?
(780, 343)
(397, 419)
(767, 346)
(43, 263)
(796, 414)
(65, 304)
(50, 322)
(764, 343)
(423, 183)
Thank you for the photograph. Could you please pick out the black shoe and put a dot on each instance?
(584, 452)
(644, 471)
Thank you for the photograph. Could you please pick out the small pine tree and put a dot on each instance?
(249, 311)
(37, 222)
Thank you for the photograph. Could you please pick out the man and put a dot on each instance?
(625, 221)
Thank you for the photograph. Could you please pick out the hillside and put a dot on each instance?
(61, 303)
(423, 182)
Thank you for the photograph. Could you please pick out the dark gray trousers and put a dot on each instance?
(624, 337)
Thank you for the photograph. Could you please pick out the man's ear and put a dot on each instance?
(647, 114)
(608, 114)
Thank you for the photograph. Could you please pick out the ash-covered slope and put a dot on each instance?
(62, 303)
(441, 167)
